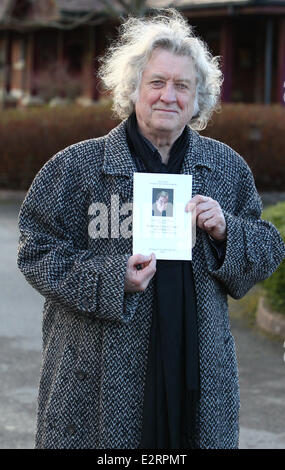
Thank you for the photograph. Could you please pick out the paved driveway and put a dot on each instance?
(261, 360)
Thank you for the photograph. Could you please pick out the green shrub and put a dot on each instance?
(29, 137)
(274, 286)
(256, 132)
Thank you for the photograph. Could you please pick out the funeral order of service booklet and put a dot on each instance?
(160, 223)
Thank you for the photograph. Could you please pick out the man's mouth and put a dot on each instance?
(166, 110)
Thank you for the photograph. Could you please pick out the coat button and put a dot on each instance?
(80, 374)
(70, 429)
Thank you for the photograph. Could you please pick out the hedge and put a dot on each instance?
(257, 133)
(274, 286)
(28, 138)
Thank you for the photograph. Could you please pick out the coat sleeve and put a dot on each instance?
(53, 254)
(254, 247)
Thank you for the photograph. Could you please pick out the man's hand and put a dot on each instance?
(140, 270)
(209, 216)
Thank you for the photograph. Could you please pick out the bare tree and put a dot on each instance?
(118, 9)
(122, 8)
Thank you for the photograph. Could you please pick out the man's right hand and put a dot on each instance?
(140, 270)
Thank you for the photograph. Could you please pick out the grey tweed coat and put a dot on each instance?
(95, 337)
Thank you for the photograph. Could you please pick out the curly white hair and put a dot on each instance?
(125, 60)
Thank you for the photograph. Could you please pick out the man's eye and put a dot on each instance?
(182, 86)
(157, 83)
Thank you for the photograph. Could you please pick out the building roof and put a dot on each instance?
(97, 5)
(48, 12)
(87, 5)
(79, 5)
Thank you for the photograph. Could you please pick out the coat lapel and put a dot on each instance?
(197, 164)
(118, 162)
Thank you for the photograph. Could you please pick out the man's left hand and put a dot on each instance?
(209, 216)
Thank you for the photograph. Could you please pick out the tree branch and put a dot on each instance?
(20, 24)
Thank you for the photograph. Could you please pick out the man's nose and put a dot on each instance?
(168, 94)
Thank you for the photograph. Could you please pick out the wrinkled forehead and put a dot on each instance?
(163, 62)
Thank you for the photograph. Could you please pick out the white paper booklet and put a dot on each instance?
(160, 223)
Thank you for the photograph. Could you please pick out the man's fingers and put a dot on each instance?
(211, 223)
(150, 266)
(206, 215)
(199, 198)
(138, 279)
(195, 201)
(140, 262)
(139, 259)
(190, 207)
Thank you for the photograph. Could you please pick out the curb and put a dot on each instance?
(272, 322)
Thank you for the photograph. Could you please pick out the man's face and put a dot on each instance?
(166, 93)
(161, 203)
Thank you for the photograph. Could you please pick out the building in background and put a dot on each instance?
(50, 48)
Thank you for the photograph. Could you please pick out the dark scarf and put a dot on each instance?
(172, 378)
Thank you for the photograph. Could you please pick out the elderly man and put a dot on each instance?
(138, 353)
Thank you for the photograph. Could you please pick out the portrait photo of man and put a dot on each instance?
(162, 203)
